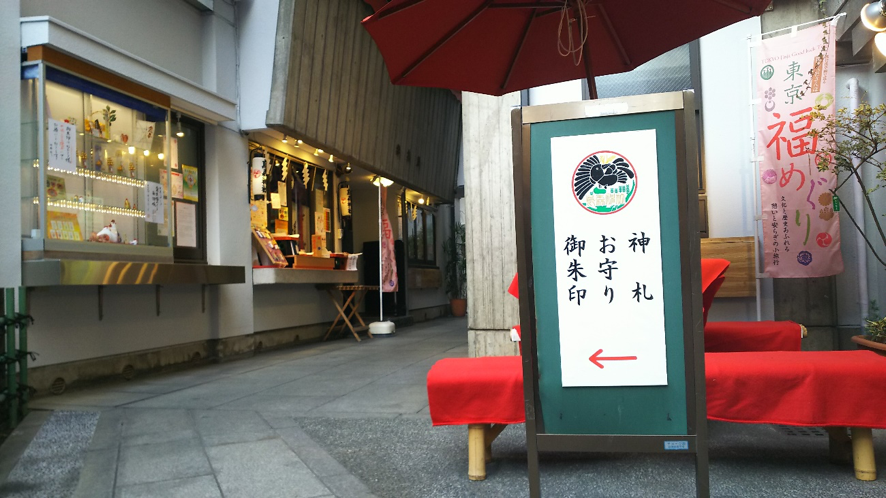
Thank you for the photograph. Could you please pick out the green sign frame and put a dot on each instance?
(667, 419)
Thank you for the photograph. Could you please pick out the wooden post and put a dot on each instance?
(477, 452)
(863, 454)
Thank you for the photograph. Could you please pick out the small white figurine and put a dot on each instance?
(109, 233)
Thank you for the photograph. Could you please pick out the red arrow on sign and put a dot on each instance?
(596, 358)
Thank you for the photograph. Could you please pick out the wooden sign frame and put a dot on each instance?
(669, 419)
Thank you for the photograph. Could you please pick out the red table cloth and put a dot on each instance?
(808, 388)
(728, 337)
(487, 390)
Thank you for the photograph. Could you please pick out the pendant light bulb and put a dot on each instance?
(316, 152)
(131, 150)
(298, 143)
(421, 200)
(179, 133)
(160, 156)
(147, 153)
(331, 159)
(285, 140)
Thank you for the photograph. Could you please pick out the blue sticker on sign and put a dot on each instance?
(676, 445)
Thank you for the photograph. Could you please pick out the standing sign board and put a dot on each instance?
(607, 230)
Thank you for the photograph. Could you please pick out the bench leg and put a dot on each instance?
(839, 445)
(492, 432)
(477, 452)
(863, 454)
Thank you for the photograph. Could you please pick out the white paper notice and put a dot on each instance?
(281, 191)
(62, 146)
(154, 202)
(608, 256)
(185, 224)
(275, 200)
(178, 190)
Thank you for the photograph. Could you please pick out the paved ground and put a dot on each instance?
(350, 419)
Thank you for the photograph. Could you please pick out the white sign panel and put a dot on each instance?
(62, 146)
(608, 259)
(154, 202)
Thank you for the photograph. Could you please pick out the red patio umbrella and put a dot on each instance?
(500, 46)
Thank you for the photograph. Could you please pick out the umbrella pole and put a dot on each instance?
(589, 69)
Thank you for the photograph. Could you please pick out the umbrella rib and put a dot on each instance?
(519, 49)
(402, 6)
(442, 41)
(612, 34)
(744, 9)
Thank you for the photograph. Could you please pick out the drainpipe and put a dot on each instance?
(858, 206)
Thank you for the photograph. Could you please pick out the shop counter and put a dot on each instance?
(265, 276)
(50, 272)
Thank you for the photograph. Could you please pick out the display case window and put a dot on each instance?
(187, 176)
(293, 197)
(421, 235)
(95, 159)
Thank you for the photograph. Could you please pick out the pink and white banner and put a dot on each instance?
(801, 226)
(388, 256)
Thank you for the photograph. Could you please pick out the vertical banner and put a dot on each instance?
(389, 259)
(801, 230)
(608, 259)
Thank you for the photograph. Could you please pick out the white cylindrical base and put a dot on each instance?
(382, 328)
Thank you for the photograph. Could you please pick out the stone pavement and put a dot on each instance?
(350, 419)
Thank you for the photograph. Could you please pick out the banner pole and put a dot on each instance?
(381, 314)
(755, 166)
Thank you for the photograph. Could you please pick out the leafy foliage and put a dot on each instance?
(859, 135)
(456, 263)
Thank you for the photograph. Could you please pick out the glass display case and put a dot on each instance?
(95, 170)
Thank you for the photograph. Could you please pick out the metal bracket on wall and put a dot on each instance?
(101, 299)
(157, 294)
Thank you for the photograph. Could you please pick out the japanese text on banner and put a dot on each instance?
(801, 231)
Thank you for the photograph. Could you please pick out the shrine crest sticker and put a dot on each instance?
(604, 182)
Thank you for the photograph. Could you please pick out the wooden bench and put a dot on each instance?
(816, 388)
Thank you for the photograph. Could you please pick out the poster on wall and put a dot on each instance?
(608, 259)
(173, 153)
(801, 227)
(176, 185)
(189, 180)
(62, 146)
(185, 224)
(154, 203)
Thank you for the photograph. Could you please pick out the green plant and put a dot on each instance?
(859, 135)
(876, 330)
(456, 263)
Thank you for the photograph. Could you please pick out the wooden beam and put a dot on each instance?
(86, 70)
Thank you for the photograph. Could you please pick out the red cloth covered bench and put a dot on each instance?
(733, 337)
(811, 388)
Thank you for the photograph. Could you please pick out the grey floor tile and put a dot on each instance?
(95, 397)
(309, 452)
(143, 421)
(266, 469)
(191, 487)
(161, 462)
(278, 420)
(218, 427)
(347, 486)
(386, 398)
(97, 474)
(339, 384)
(108, 429)
(161, 437)
(278, 402)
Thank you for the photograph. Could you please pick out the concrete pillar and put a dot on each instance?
(10, 144)
(489, 222)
